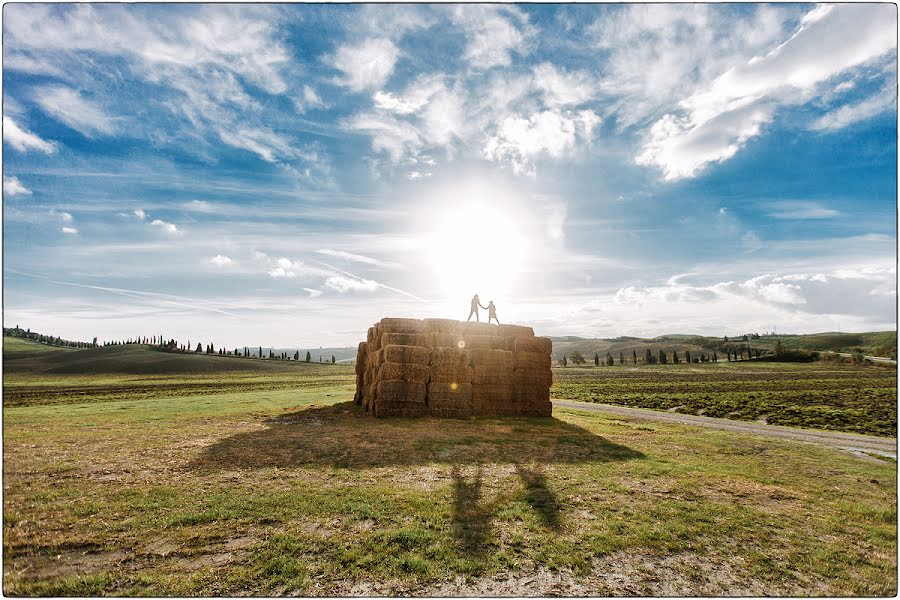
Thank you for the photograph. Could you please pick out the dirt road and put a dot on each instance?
(859, 445)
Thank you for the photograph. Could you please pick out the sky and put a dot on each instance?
(288, 175)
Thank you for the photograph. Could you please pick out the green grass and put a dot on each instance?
(819, 395)
(290, 489)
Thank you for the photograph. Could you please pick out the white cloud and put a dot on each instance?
(801, 210)
(70, 230)
(401, 106)
(281, 272)
(358, 258)
(264, 142)
(561, 88)
(169, 228)
(883, 101)
(342, 284)
(221, 260)
(13, 187)
(69, 107)
(494, 33)
(717, 121)
(309, 99)
(396, 138)
(199, 206)
(66, 217)
(23, 140)
(366, 66)
(521, 140)
(312, 293)
(140, 214)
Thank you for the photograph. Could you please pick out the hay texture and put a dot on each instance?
(445, 368)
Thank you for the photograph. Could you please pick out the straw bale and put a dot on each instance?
(405, 339)
(478, 342)
(533, 344)
(531, 394)
(446, 340)
(442, 326)
(449, 357)
(492, 358)
(395, 371)
(406, 354)
(399, 408)
(492, 392)
(541, 409)
(531, 360)
(448, 393)
(470, 328)
(451, 374)
(370, 337)
(515, 331)
(391, 325)
(482, 374)
(400, 391)
(536, 377)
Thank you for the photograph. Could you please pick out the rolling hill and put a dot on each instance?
(25, 356)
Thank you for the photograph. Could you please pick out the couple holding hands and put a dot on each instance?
(492, 310)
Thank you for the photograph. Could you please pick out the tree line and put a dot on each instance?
(166, 345)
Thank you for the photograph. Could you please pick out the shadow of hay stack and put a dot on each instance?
(341, 436)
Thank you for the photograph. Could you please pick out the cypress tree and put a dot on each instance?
(674, 357)
(621, 358)
(609, 359)
(308, 356)
(687, 356)
(662, 357)
(634, 356)
(596, 359)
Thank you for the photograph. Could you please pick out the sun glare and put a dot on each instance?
(477, 249)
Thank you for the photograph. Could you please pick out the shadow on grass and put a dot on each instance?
(342, 436)
(471, 519)
(539, 496)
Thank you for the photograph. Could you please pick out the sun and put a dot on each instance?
(477, 248)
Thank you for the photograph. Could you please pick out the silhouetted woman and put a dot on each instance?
(475, 304)
(492, 312)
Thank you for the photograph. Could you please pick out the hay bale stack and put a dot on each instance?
(445, 368)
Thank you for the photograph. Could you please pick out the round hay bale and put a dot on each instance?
(446, 340)
(406, 354)
(515, 331)
(393, 325)
(400, 391)
(470, 328)
(451, 374)
(450, 357)
(479, 342)
(442, 326)
(533, 344)
(405, 339)
(394, 371)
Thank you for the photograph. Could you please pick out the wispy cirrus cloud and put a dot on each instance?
(798, 209)
(70, 107)
(24, 140)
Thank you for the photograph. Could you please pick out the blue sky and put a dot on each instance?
(289, 174)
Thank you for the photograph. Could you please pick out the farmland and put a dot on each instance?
(269, 481)
(821, 395)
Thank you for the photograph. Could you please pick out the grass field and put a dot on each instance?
(821, 395)
(287, 489)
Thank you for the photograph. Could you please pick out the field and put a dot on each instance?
(269, 481)
(821, 395)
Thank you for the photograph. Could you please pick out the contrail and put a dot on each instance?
(387, 287)
(129, 293)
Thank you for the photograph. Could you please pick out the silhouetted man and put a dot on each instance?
(492, 312)
(475, 304)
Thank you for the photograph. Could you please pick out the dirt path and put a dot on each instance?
(859, 445)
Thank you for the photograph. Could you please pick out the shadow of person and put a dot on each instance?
(343, 436)
(540, 497)
(471, 519)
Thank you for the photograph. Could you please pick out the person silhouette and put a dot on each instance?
(474, 311)
(492, 312)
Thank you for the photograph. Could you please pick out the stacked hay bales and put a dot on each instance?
(445, 368)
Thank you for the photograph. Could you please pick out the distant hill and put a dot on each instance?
(875, 343)
(25, 356)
